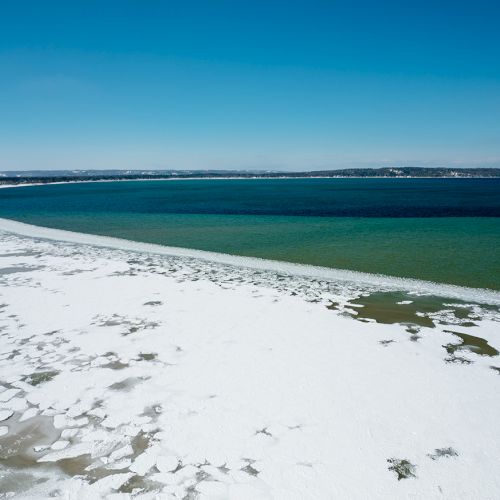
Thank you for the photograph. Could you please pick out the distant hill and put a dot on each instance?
(50, 176)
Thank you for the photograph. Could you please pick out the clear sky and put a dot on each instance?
(258, 84)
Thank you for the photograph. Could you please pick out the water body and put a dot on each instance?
(443, 230)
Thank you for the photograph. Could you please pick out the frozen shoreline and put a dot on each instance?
(128, 369)
(407, 284)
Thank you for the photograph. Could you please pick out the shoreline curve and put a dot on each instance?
(330, 274)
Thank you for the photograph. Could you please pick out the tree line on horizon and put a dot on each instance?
(45, 177)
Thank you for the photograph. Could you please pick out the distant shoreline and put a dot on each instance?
(216, 178)
(11, 178)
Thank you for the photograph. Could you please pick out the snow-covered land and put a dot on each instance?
(127, 373)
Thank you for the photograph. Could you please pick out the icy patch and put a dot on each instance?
(242, 383)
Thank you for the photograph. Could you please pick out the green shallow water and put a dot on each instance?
(457, 250)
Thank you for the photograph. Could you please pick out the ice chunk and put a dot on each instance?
(61, 421)
(112, 482)
(8, 394)
(38, 449)
(71, 452)
(23, 385)
(122, 452)
(5, 414)
(69, 433)
(16, 404)
(167, 464)
(59, 445)
(143, 463)
(78, 409)
(102, 448)
(165, 478)
(30, 413)
(97, 412)
(121, 464)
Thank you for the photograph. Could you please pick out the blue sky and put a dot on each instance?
(259, 85)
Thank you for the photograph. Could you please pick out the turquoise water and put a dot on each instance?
(442, 230)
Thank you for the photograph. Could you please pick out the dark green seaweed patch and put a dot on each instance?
(442, 453)
(403, 468)
(147, 356)
(40, 377)
(115, 365)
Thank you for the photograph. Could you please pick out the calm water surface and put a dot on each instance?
(444, 230)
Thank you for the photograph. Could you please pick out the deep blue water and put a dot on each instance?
(297, 197)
